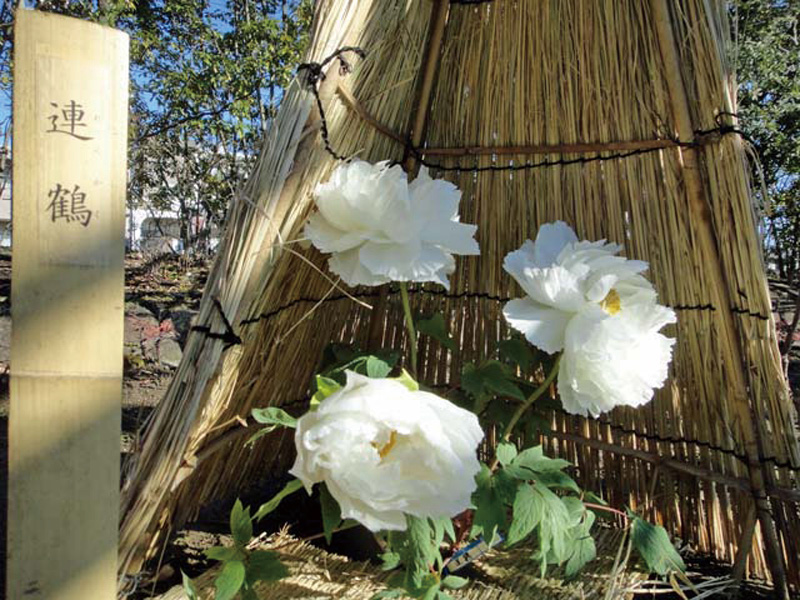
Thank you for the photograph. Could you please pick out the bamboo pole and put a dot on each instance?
(703, 221)
(70, 136)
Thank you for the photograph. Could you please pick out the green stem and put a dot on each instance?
(412, 333)
(527, 404)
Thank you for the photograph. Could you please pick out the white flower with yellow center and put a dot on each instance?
(599, 310)
(385, 451)
(379, 228)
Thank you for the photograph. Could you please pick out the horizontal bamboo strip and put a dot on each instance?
(739, 483)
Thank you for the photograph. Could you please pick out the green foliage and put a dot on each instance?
(516, 351)
(436, 328)
(337, 359)
(491, 378)
(324, 387)
(268, 507)
(229, 580)
(767, 61)
(331, 512)
(241, 568)
(189, 587)
(273, 417)
(653, 544)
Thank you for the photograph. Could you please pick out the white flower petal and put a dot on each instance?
(542, 326)
(348, 266)
(391, 261)
(385, 452)
(328, 238)
(550, 241)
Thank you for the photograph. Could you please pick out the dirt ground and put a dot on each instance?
(161, 296)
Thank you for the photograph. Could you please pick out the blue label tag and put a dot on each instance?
(473, 551)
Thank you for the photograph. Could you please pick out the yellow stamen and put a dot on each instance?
(611, 303)
(387, 447)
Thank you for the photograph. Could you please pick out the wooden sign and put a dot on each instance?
(69, 181)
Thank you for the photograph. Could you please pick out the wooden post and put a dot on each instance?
(70, 136)
(701, 218)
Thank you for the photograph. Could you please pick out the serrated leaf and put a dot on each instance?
(264, 565)
(506, 452)
(528, 507)
(408, 381)
(224, 553)
(437, 329)
(553, 527)
(517, 351)
(189, 587)
(331, 513)
(241, 524)
(229, 580)
(268, 507)
(274, 416)
(653, 544)
(505, 486)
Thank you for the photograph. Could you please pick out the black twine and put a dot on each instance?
(228, 336)
(449, 295)
(315, 75)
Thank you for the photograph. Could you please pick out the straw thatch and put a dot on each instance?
(520, 81)
(314, 573)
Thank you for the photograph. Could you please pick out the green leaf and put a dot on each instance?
(516, 351)
(241, 524)
(229, 580)
(331, 513)
(377, 367)
(408, 381)
(490, 513)
(584, 552)
(454, 583)
(653, 544)
(535, 460)
(506, 452)
(437, 329)
(189, 587)
(557, 480)
(224, 553)
(258, 435)
(325, 387)
(391, 560)
(496, 379)
(268, 507)
(274, 416)
(264, 565)
(444, 525)
(528, 508)
(553, 527)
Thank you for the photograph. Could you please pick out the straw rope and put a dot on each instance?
(509, 74)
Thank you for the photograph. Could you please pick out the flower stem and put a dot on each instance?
(527, 404)
(412, 333)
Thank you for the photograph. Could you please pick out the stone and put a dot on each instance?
(169, 352)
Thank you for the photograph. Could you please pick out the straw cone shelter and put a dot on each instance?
(618, 117)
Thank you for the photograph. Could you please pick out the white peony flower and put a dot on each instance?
(597, 308)
(379, 228)
(385, 451)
